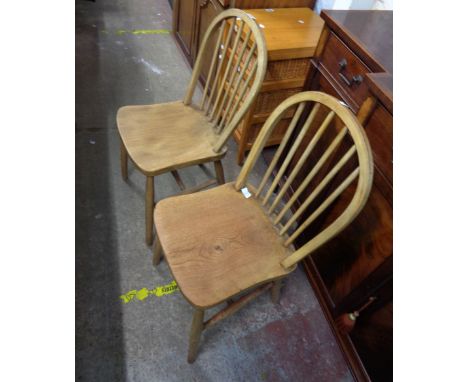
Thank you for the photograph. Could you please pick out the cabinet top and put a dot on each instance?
(289, 32)
(368, 33)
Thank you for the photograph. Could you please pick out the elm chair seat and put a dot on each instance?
(215, 255)
(163, 137)
(170, 136)
(229, 245)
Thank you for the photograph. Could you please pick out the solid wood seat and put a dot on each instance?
(167, 136)
(218, 243)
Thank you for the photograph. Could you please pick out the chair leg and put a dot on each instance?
(240, 155)
(219, 172)
(157, 252)
(123, 161)
(275, 291)
(149, 209)
(195, 333)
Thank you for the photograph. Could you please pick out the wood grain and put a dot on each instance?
(272, 3)
(164, 137)
(289, 32)
(365, 169)
(221, 242)
(218, 243)
(336, 51)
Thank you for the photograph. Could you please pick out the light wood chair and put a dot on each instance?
(220, 244)
(165, 137)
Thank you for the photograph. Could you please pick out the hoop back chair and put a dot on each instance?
(221, 243)
(165, 137)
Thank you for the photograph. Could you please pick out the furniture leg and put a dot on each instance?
(157, 252)
(149, 209)
(241, 151)
(219, 172)
(195, 333)
(123, 161)
(244, 134)
(275, 291)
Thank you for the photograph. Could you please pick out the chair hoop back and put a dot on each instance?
(286, 170)
(236, 72)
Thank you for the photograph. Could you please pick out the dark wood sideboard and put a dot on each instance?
(354, 62)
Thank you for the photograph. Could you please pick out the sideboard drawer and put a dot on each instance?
(346, 69)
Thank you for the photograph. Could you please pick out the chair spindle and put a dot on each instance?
(323, 206)
(330, 149)
(318, 189)
(281, 147)
(215, 85)
(229, 85)
(217, 108)
(213, 64)
(292, 151)
(302, 159)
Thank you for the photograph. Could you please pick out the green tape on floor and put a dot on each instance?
(144, 293)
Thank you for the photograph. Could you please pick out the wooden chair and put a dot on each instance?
(220, 244)
(166, 137)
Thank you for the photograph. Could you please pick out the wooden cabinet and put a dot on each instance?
(291, 36)
(183, 24)
(192, 17)
(354, 63)
(208, 10)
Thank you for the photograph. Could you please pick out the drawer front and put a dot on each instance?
(346, 69)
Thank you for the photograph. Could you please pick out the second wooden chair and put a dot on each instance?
(165, 137)
(239, 238)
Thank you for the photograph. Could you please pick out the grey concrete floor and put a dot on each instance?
(147, 340)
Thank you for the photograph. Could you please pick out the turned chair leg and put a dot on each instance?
(275, 291)
(157, 252)
(195, 333)
(149, 209)
(123, 161)
(219, 172)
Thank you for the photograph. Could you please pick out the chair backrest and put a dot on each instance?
(236, 73)
(329, 172)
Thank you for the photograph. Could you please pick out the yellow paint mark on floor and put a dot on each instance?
(151, 31)
(121, 32)
(144, 293)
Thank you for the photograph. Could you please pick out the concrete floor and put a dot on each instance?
(147, 340)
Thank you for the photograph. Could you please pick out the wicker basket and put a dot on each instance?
(287, 69)
(268, 101)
